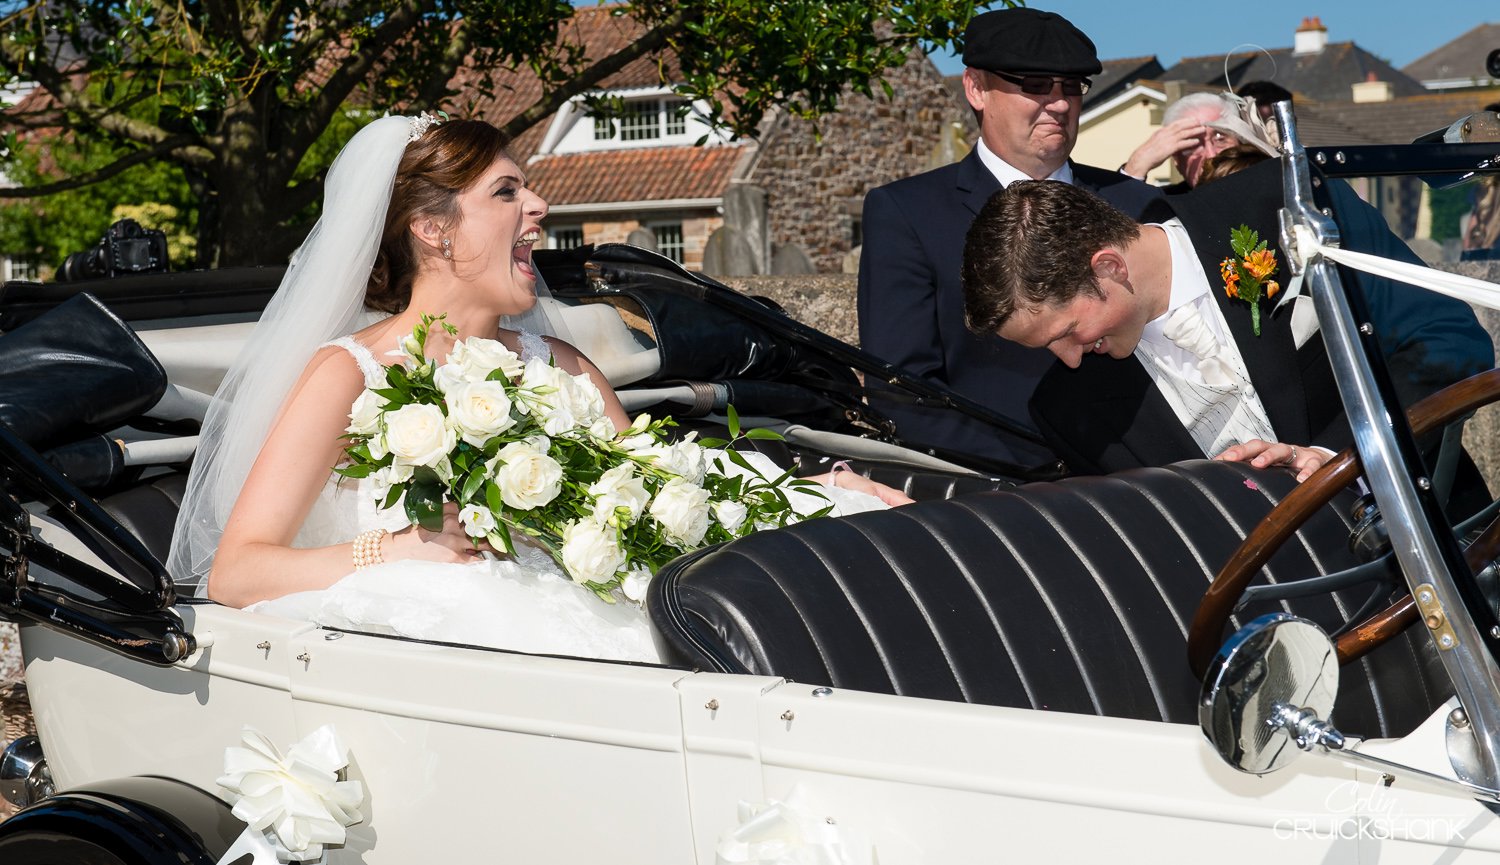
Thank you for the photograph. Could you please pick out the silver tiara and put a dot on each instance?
(424, 121)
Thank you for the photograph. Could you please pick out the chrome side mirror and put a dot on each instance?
(1272, 676)
(1268, 692)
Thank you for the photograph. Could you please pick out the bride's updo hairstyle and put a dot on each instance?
(446, 160)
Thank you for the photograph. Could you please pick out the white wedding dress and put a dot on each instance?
(526, 604)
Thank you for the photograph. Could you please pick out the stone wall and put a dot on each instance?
(1482, 433)
(816, 175)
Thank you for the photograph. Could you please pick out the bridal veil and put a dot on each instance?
(321, 297)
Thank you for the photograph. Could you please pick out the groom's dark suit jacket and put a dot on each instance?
(1107, 415)
(911, 305)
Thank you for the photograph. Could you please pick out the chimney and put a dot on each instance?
(1311, 37)
(1372, 89)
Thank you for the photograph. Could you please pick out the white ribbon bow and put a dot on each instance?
(1465, 288)
(1187, 329)
(787, 832)
(293, 805)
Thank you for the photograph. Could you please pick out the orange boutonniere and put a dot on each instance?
(1249, 271)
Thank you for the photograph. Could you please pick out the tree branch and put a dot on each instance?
(108, 120)
(98, 175)
(305, 127)
(654, 40)
(223, 20)
(435, 87)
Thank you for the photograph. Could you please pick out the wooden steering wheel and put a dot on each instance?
(1437, 410)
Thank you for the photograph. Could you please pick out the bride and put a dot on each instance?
(420, 216)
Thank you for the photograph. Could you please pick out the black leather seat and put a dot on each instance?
(1073, 596)
(149, 510)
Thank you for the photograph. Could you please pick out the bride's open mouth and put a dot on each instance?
(522, 252)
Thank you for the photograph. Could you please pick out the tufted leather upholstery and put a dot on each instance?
(1072, 596)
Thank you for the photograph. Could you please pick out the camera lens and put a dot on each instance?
(89, 264)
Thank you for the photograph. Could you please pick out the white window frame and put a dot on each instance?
(554, 233)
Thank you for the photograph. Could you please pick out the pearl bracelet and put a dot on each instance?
(367, 548)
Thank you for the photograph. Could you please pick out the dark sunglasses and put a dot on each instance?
(1041, 85)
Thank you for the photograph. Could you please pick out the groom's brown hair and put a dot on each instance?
(446, 160)
(1032, 246)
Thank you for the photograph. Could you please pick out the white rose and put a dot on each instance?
(619, 488)
(685, 458)
(477, 357)
(730, 514)
(682, 509)
(584, 401)
(640, 444)
(527, 478)
(383, 479)
(542, 394)
(479, 410)
(364, 415)
(447, 378)
(565, 402)
(419, 435)
(590, 553)
(602, 429)
(476, 520)
(635, 583)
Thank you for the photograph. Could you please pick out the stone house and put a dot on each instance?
(788, 201)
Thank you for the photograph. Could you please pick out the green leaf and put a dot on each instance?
(738, 459)
(472, 483)
(734, 421)
(763, 434)
(424, 500)
(354, 471)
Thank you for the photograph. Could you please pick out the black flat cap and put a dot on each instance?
(1024, 40)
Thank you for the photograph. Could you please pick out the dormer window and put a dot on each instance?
(629, 118)
(643, 120)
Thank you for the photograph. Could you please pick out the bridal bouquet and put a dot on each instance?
(527, 448)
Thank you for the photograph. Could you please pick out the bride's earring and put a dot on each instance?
(448, 248)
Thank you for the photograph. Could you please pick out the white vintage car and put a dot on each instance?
(1000, 676)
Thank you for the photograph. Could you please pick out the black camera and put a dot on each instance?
(124, 248)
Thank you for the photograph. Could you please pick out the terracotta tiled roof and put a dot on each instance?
(1463, 58)
(1398, 121)
(642, 174)
(1326, 74)
(601, 33)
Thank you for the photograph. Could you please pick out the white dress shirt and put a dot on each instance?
(1008, 174)
(1216, 415)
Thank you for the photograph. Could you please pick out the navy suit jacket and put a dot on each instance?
(911, 308)
(1107, 415)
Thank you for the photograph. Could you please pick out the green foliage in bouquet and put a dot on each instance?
(526, 449)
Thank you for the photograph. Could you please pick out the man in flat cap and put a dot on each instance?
(1026, 76)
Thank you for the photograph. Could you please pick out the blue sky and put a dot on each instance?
(1398, 32)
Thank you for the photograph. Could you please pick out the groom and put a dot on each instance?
(1158, 364)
